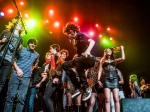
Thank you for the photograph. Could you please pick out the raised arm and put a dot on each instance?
(91, 45)
(122, 55)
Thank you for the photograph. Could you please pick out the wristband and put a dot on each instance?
(98, 81)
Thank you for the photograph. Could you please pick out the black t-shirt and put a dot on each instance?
(81, 43)
(36, 76)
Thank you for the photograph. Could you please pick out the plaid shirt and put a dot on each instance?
(25, 59)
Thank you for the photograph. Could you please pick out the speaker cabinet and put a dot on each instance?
(135, 105)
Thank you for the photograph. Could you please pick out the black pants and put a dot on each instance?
(49, 91)
(5, 69)
(80, 63)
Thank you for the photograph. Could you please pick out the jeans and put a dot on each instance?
(4, 72)
(81, 63)
(29, 105)
(16, 85)
(50, 89)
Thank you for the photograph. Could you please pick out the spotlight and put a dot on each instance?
(108, 29)
(105, 41)
(2, 14)
(31, 24)
(100, 36)
(75, 19)
(91, 33)
(51, 12)
(10, 11)
(111, 38)
(47, 21)
(56, 24)
(96, 25)
(26, 15)
(21, 3)
(50, 32)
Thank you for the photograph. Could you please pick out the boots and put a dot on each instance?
(68, 108)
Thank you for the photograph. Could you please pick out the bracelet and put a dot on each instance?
(98, 81)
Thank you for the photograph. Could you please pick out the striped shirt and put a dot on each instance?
(25, 59)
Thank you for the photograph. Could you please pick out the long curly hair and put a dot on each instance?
(12, 24)
(112, 57)
(105, 57)
(133, 78)
(70, 26)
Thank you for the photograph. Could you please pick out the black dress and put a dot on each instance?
(110, 77)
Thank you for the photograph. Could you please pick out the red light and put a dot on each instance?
(51, 12)
(10, 11)
(108, 29)
(91, 33)
(21, 3)
(96, 25)
(56, 24)
(76, 19)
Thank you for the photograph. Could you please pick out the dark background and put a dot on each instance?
(129, 19)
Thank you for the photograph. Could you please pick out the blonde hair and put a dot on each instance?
(12, 24)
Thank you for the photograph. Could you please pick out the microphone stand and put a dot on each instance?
(11, 36)
(20, 16)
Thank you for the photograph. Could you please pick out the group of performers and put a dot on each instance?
(59, 84)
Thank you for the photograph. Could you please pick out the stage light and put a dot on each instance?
(26, 15)
(31, 23)
(21, 3)
(96, 25)
(108, 29)
(91, 33)
(2, 14)
(75, 19)
(50, 32)
(47, 21)
(10, 11)
(100, 36)
(51, 12)
(105, 41)
(56, 24)
(111, 38)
